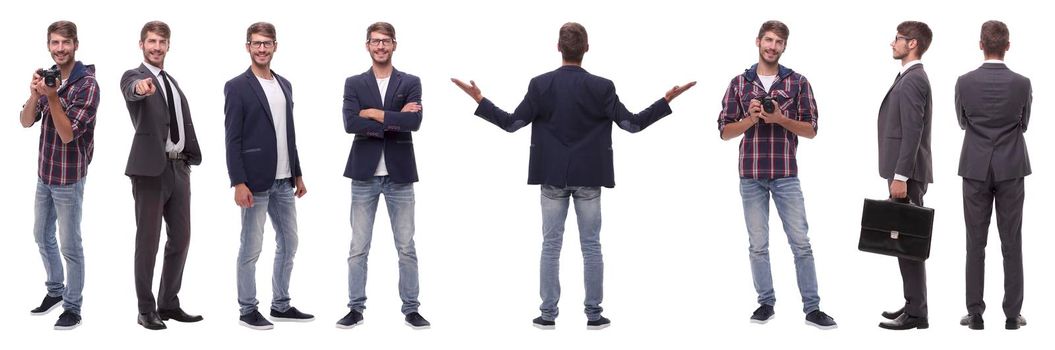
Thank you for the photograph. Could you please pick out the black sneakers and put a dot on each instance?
(414, 320)
(763, 314)
(541, 323)
(599, 323)
(254, 320)
(49, 303)
(352, 319)
(68, 320)
(291, 315)
(821, 320)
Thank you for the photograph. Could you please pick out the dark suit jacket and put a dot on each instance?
(571, 136)
(904, 127)
(150, 117)
(252, 151)
(392, 137)
(992, 105)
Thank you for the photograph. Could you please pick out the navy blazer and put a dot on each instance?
(572, 112)
(392, 137)
(252, 150)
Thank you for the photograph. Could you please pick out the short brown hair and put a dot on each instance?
(573, 42)
(777, 27)
(383, 28)
(262, 28)
(156, 27)
(64, 28)
(918, 31)
(995, 38)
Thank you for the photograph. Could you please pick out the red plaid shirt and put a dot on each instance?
(64, 164)
(767, 151)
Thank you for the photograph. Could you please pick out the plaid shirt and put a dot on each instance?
(64, 164)
(767, 151)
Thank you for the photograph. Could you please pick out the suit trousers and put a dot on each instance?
(978, 199)
(166, 196)
(914, 273)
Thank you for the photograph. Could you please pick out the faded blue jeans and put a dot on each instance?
(588, 215)
(399, 197)
(787, 195)
(278, 202)
(61, 204)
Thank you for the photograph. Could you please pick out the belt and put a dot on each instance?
(175, 155)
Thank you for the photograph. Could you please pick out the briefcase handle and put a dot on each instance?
(904, 200)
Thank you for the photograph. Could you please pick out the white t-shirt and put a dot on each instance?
(767, 81)
(382, 87)
(276, 100)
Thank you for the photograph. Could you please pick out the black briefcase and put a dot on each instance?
(896, 229)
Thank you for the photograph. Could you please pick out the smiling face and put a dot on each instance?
(770, 47)
(154, 47)
(261, 49)
(62, 49)
(380, 46)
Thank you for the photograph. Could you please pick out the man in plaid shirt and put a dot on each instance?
(66, 112)
(771, 106)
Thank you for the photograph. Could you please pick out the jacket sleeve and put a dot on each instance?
(1028, 107)
(406, 121)
(234, 119)
(961, 114)
(629, 121)
(525, 113)
(353, 123)
(912, 107)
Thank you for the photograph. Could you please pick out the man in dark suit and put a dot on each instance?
(382, 107)
(571, 157)
(163, 149)
(264, 168)
(904, 156)
(992, 106)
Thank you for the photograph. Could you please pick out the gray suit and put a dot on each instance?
(992, 105)
(160, 187)
(904, 149)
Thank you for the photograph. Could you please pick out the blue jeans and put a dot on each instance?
(588, 214)
(61, 204)
(788, 198)
(400, 201)
(277, 201)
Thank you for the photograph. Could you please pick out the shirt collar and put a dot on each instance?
(155, 70)
(909, 65)
(994, 61)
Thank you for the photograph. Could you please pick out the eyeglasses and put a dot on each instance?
(257, 44)
(902, 37)
(381, 42)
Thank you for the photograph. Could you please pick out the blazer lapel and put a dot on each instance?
(260, 96)
(375, 92)
(390, 92)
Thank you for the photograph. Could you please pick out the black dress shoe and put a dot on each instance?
(973, 321)
(905, 321)
(890, 315)
(1015, 323)
(178, 315)
(151, 321)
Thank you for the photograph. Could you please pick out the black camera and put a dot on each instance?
(768, 103)
(51, 77)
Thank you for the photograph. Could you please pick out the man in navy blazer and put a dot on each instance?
(571, 156)
(382, 107)
(264, 168)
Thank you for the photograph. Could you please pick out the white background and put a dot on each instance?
(674, 240)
